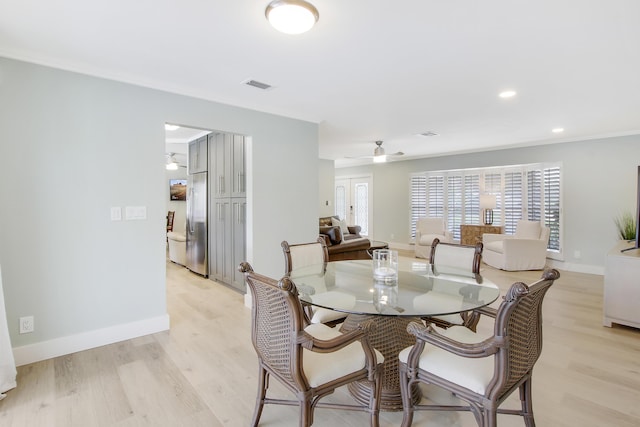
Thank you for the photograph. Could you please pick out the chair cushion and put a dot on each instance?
(324, 315)
(321, 368)
(178, 237)
(342, 224)
(471, 373)
(427, 239)
(528, 230)
(496, 246)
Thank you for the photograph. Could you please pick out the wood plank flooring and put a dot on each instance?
(203, 372)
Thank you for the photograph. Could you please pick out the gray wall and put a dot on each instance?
(599, 183)
(72, 147)
(327, 188)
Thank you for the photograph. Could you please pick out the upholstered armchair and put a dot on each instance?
(524, 250)
(428, 229)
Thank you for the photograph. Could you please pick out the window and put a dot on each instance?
(530, 192)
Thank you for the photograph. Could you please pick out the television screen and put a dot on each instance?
(177, 189)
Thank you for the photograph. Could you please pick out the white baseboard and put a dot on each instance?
(560, 265)
(576, 268)
(84, 341)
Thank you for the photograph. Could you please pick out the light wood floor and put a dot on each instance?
(203, 372)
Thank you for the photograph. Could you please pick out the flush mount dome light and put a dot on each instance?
(291, 16)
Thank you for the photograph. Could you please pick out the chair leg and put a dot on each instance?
(527, 404)
(490, 417)
(263, 383)
(405, 391)
(306, 414)
(374, 404)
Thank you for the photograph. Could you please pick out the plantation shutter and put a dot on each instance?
(552, 205)
(512, 201)
(418, 201)
(454, 205)
(471, 199)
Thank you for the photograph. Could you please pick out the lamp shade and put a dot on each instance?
(487, 201)
(291, 16)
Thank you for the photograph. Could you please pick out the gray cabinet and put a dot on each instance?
(228, 208)
(228, 164)
(198, 155)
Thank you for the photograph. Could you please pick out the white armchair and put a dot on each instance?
(428, 229)
(524, 250)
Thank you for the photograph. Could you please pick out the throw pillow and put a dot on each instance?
(342, 224)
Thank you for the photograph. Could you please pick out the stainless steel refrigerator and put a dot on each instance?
(197, 240)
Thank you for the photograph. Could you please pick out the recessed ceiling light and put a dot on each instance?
(507, 94)
(291, 16)
(557, 130)
(167, 126)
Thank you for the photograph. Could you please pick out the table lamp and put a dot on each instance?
(487, 205)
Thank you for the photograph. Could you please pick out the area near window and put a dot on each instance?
(530, 192)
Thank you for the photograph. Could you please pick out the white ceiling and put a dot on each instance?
(370, 69)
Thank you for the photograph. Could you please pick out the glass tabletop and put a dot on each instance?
(349, 287)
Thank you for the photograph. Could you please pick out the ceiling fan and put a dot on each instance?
(172, 163)
(379, 155)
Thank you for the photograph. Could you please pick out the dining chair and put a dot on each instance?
(481, 372)
(170, 216)
(459, 260)
(309, 260)
(311, 360)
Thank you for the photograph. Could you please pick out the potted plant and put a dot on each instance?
(626, 225)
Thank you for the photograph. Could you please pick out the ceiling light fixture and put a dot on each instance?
(378, 154)
(172, 163)
(291, 16)
(167, 126)
(507, 94)
(557, 130)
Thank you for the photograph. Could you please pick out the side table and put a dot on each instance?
(472, 234)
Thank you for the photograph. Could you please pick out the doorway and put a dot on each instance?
(353, 202)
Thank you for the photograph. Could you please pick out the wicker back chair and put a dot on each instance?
(461, 260)
(309, 260)
(310, 360)
(485, 373)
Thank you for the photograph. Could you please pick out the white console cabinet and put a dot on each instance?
(622, 286)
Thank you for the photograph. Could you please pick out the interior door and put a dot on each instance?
(353, 201)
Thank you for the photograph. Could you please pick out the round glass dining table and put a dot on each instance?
(417, 294)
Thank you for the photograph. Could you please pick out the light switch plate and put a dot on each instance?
(135, 212)
(116, 213)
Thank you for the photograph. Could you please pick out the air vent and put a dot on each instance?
(427, 134)
(257, 84)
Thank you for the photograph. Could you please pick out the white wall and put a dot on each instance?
(327, 188)
(599, 182)
(73, 147)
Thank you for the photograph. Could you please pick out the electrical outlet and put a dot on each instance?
(26, 324)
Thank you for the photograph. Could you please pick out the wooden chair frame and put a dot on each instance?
(515, 347)
(469, 319)
(289, 266)
(279, 338)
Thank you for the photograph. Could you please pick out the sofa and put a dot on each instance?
(343, 242)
